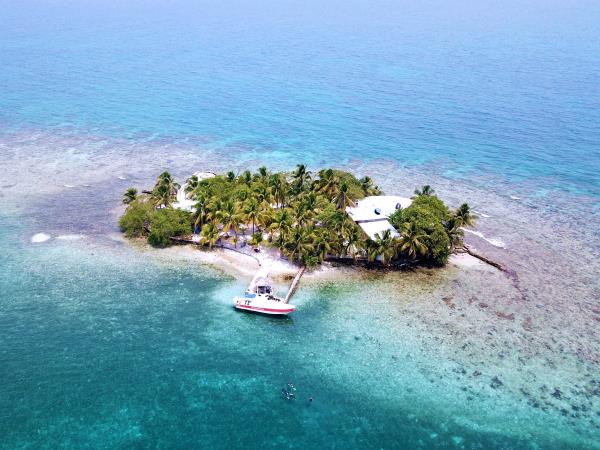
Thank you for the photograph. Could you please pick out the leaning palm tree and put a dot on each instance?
(411, 241)
(129, 195)
(463, 217)
(342, 198)
(210, 234)
(425, 190)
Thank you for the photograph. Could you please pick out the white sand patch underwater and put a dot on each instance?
(38, 238)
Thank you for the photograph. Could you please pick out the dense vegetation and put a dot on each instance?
(300, 213)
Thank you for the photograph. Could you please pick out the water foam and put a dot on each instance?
(494, 241)
(70, 237)
(486, 216)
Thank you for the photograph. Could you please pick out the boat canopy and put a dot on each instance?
(262, 286)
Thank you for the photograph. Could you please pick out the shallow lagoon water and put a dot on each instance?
(106, 347)
(107, 344)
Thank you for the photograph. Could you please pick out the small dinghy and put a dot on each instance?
(259, 298)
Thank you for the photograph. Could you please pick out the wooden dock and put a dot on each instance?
(294, 284)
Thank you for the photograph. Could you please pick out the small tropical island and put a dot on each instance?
(330, 215)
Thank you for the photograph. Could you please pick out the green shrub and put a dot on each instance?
(136, 215)
(166, 223)
(428, 214)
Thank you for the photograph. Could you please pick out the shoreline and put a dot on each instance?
(243, 266)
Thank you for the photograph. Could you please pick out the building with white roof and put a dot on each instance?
(183, 202)
(372, 213)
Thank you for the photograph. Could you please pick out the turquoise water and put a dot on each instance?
(492, 88)
(112, 345)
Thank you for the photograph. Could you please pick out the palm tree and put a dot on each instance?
(279, 188)
(353, 240)
(322, 244)
(265, 217)
(327, 181)
(210, 234)
(462, 216)
(411, 241)
(310, 202)
(191, 185)
(301, 174)
(229, 218)
(368, 187)
(202, 211)
(262, 193)
(282, 224)
(166, 179)
(162, 195)
(455, 233)
(251, 210)
(299, 245)
(130, 195)
(262, 173)
(384, 246)
(425, 190)
(242, 195)
(342, 198)
(246, 177)
(302, 215)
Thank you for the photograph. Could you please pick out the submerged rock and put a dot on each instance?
(496, 383)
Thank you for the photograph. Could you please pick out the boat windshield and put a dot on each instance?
(263, 289)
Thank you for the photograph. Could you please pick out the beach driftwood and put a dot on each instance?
(466, 249)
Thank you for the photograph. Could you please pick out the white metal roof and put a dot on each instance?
(363, 213)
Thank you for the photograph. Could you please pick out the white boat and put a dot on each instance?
(259, 298)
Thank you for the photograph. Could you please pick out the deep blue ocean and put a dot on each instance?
(105, 347)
